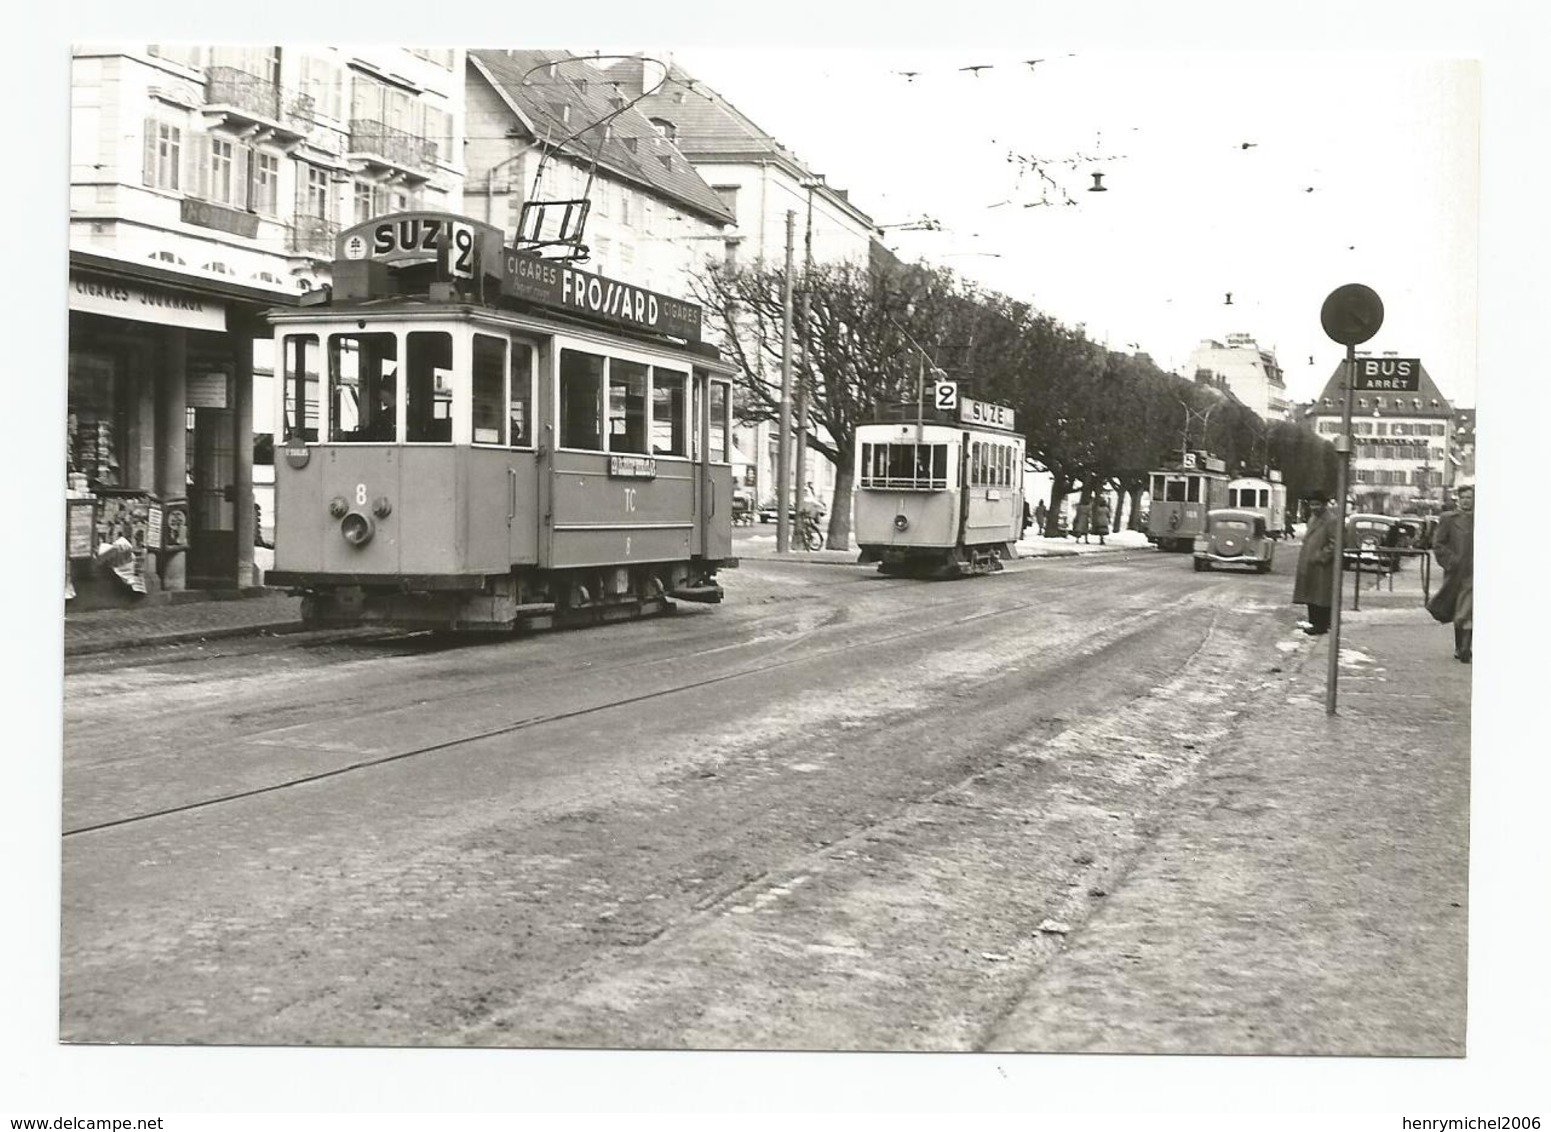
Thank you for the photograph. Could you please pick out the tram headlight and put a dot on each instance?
(381, 507)
(357, 528)
(901, 523)
(338, 506)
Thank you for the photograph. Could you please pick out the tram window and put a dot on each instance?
(581, 400)
(627, 406)
(1174, 491)
(1193, 489)
(488, 406)
(428, 378)
(363, 387)
(669, 417)
(300, 358)
(520, 411)
(720, 406)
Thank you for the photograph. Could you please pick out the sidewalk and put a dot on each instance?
(758, 543)
(259, 610)
(1306, 893)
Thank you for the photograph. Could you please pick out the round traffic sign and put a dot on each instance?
(1352, 314)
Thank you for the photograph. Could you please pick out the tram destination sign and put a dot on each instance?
(985, 413)
(1399, 375)
(550, 283)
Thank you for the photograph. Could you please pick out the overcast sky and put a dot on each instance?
(1004, 158)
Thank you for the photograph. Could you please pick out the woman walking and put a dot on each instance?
(1101, 517)
(1454, 545)
(1080, 519)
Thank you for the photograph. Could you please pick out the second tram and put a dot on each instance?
(1265, 497)
(477, 438)
(939, 494)
(1182, 494)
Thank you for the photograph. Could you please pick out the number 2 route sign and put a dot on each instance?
(946, 395)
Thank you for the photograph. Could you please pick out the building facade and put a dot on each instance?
(1402, 434)
(1240, 364)
(547, 125)
(760, 181)
(207, 184)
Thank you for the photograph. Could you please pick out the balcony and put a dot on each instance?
(313, 236)
(391, 150)
(245, 101)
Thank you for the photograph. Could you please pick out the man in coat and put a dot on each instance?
(1454, 547)
(1316, 565)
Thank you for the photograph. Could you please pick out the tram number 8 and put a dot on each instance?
(360, 494)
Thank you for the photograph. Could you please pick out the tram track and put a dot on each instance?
(773, 662)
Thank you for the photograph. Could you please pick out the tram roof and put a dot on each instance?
(530, 316)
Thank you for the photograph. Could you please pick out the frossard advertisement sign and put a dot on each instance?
(550, 283)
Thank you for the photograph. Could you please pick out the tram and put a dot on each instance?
(1182, 494)
(939, 493)
(1266, 497)
(478, 438)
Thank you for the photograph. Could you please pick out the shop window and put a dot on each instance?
(581, 400)
(627, 406)
(428, 379)
(94, 435)
(669, 416)
(520, 411)
(300, 375)
(363, 387)
(488, 403)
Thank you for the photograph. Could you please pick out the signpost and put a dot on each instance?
(1351, 314)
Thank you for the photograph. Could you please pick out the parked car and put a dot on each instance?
(1367, 536)
(767, 513)
(1234, 538)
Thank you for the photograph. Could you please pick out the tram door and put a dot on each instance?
(212, 478)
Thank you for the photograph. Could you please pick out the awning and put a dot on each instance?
(739, 458)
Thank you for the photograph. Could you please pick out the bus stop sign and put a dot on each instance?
(1352, 314)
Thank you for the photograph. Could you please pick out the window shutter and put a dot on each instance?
(242, 189)
(199, 165)
(148, 173)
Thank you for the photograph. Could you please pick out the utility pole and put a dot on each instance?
(800, 481)
(784, 447)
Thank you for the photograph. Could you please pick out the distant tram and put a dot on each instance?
(1266, 497)
(939, 493)
(477, 438)
(1182, 494)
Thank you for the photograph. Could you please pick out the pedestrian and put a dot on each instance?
(1080, 520)
(1316, 565)
(1454, 548)
(1041, 512)
(1028, 516)
(1101, 517)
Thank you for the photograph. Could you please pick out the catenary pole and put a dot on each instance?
(784, 446)
(800, 480)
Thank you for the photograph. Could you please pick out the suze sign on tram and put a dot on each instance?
(984, 413)
(467, 245)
